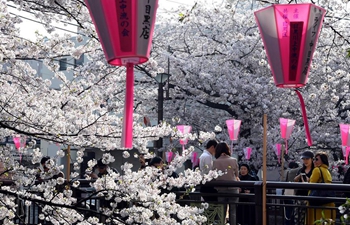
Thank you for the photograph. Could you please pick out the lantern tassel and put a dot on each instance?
(286, 147)
(128, 107)
(306, 124)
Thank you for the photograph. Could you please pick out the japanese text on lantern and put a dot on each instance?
(124, 25)
(124, 19)
(296, 14)
(146, 21)
(296, 31)
(313, 31)
(285, 23)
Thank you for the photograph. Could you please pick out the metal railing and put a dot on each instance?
(280, 209)
(249, 208)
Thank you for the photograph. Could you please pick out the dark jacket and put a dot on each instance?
(299, 191)
(347, 177)
(247, 177)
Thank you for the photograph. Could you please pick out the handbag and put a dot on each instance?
(321, 193)
(288, 191)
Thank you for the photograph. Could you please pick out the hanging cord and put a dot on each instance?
(306, 124)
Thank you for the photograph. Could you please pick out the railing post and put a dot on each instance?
(258, 192)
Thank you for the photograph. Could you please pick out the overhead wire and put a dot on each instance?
(11, 6)
(180, 3)
(39, 22)
(58, 28)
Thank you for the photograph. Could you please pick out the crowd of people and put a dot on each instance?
(314, 169)
(217, 156)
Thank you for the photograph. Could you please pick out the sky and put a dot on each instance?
(30, 24)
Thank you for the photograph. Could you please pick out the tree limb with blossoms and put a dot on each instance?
(218, 69)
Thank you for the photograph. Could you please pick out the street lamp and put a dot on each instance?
(161, 78)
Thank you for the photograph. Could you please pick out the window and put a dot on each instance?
(79, 62)
(63, 64)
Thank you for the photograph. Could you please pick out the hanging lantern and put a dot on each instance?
(278, 152)
(290, 33)
(125, 30)
(184, 129)
(287, 127)
(346, 151)
(345, 134)
(233, 130)
(17, 141)
(194, 159)
(169, 156)
(247, 151)
(343, 149)
(345, 140)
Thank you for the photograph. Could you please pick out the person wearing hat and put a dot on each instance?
(305, 172)
(303, 175)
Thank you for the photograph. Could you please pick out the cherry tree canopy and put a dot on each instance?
(218, 69)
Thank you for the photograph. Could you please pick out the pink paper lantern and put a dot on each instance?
(169, 156)
(345, 133)
(290, 33)
(343, 148)
(278, 152)
(287, 127)
(184, 129)
(17, 141)
(233, 128)
(247, 152)
(194, 159)
(346, 151)
(125, 29)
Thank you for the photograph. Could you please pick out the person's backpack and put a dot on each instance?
(291, 174)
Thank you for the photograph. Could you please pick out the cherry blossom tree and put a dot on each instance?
(218, 70)
(84, 111)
